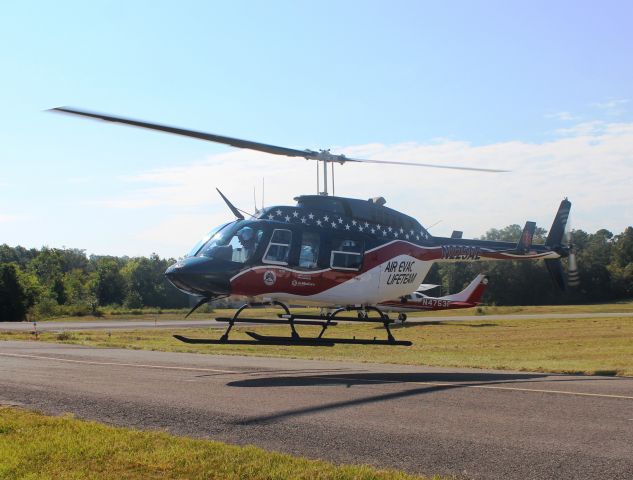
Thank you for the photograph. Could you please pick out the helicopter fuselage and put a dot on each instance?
(328, 251)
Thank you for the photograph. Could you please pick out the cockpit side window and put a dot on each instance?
(244, 243)
(279, 247)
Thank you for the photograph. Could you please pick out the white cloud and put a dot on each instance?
(610, 104)
(591, 163)
(563, 116)
(612, 107)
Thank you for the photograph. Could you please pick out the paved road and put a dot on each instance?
(468, 423)
(173, 324)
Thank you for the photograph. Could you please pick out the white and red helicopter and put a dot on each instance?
(342, 254)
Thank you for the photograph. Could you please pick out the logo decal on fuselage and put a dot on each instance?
(270, 278)
(400, 272)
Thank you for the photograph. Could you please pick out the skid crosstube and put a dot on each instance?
(301, 317)
(279, 321)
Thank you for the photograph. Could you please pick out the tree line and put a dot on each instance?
(46, 282)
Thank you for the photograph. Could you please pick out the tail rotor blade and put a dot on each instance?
(573, 276)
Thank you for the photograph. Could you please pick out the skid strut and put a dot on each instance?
(324, 321)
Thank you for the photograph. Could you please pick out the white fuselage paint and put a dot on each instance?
(392, 279)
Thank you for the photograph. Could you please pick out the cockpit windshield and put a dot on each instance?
(236, 242)
(211, 235)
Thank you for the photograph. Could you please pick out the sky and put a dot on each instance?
(541, 88)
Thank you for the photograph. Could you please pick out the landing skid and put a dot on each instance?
(306, 342)
(324, 321)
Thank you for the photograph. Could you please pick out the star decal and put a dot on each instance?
(333, 224)
(417, 238)
(395, 234)
(389, 229)
(303, 219)
(326, 219)
(311, 216)
(270, 216)
(278, 212)
(319, 223)
(347, 226)
(384, 232)
(401, 230)
(407, 236)
(295, 214)
(366, 224)
(373, 231)
(340, 220)
(360, 228)
(354, 222)
(287, 217)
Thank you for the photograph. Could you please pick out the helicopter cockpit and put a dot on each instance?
(234, 241)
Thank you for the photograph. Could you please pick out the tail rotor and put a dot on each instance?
(573, 276)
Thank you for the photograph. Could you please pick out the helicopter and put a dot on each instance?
(338, 253)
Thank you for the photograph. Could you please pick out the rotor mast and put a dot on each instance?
(326, 157)
(324, 192)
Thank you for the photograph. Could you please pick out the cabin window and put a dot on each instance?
(278, 248)
(309, 253)
(346, 254)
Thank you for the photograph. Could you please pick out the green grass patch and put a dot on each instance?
(34, 446)
(571, 345)
(156, 314)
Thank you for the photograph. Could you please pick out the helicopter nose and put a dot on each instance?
(200, 276)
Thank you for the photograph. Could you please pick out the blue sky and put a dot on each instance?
(542, 87)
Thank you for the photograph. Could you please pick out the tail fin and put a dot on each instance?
(555, 236)
(554, 241)
(526, 237)
(472, 293)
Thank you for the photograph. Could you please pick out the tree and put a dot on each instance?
(13, 300)
(109, 285)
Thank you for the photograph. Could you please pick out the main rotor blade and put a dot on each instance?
(234, 142)
(324, 155)
(428, 165)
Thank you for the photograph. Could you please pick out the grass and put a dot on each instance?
(179, 314)
(35, 446)
(570, 345)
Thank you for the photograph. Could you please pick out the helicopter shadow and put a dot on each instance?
(352, 379)
(431, 382)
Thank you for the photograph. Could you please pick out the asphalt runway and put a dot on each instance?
(57, 326)
(468, 423)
